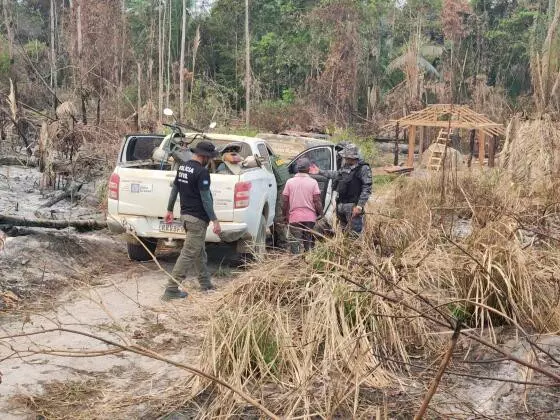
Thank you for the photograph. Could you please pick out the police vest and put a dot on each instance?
(280, 171)
(349, 185)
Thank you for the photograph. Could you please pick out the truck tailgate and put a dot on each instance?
(145, 192)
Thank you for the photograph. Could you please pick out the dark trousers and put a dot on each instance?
(301, 236)
(348, 223)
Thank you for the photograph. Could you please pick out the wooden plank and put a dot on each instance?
(411, 145)
(445, 124)
(397, 169)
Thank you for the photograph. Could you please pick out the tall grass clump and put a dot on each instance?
(303, 327)
(322, 334)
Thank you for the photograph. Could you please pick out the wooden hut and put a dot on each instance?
(447, 118)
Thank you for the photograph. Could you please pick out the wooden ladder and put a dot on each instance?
(436, 155)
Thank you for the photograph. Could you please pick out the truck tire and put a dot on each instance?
(259, 243)
(254, 249)
(137, 252)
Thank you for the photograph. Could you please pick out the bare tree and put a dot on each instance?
(546, 76)
(80, 60)
(9, 23)
(123, 46)
(169, 56)
(196, 44)
(247, 67)
(139, 94)
(182, 60)
(54, 81)
(79, 31)
(160, 59)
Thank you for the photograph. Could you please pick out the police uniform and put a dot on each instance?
(192, 184)
(353, 185)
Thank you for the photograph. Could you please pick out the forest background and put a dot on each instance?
(308, 65)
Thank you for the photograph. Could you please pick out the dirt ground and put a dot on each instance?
(84, 281)
(120, 303)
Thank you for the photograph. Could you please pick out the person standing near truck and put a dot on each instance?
(353, 186)
(302, 205)
(279, 228)
(192, 183)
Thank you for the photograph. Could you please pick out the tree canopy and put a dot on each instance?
(350, 61)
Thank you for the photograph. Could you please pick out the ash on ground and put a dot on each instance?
(37, 263)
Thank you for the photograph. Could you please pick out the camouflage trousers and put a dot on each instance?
(193, 257)
(279, 228)
(347, 222)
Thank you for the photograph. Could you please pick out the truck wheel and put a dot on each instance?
(259, 244)
(137, 252)
(250, 250)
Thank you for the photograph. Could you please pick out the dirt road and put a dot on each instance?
(121, 303)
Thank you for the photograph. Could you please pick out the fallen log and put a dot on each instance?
(82, 225)
(18, 161)
(67, 193)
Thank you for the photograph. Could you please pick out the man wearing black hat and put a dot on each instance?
(192, 183)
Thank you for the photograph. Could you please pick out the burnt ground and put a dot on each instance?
(52, 279)
(84, 282)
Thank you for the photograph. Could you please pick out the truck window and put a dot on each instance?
(220, 143)
(141, 147)
(263, 151)
(320, 156)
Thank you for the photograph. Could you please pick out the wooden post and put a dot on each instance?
(472, 135)
(481, 147)
(491, 151)
(422, 141)
(411, 145)
(396, 148)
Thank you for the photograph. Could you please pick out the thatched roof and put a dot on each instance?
(461, 116)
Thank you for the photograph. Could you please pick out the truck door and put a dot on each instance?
(324, 158)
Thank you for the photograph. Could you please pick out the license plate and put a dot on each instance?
(174, 227)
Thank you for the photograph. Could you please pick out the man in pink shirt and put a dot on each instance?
(302, 205)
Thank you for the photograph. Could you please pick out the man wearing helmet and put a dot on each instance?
(353, 182)
(231, 160)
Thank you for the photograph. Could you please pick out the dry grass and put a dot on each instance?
(70, 400)
(96, 398)
(531, 153)
(304, 331)
(305, 335)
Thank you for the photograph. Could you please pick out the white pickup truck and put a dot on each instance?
(139, 189)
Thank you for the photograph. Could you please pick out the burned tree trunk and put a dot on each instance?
(53, 224)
